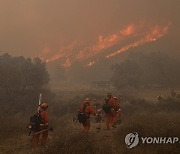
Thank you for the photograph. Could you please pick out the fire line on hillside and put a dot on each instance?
(140, 33)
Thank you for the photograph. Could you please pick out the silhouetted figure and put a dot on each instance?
(173, 93)
(160, 98)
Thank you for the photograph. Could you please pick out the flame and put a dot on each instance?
(90, 64)
(77, 51)
(55, 57)
(67, 63)
(63, 52)
(156, 33)
(105, 42)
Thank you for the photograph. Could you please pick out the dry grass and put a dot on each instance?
(68, 138)
(140, 116)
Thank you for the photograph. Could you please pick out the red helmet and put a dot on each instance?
(44, 105)
(87, 100)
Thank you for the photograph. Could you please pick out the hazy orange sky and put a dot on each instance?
(36, 27)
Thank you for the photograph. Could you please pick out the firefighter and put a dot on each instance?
(99, 118)
(98, 110)
(84, 114)
(114, 111)
(43, 126)
(108, 107)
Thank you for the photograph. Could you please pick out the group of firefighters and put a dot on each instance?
(109, 109)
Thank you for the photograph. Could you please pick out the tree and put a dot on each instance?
(21, 79)
(127, 74)
(146, 70)
(18, 73)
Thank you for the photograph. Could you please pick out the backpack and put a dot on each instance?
(35, 122)
(106, 107)
(82, 116)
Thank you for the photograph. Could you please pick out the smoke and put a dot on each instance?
(66, 28)
(137, 34)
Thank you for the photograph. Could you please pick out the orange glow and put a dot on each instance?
(63, 52)
(103, 42)
(67, 63)
(90, 64)
(106, 42)
(46, 50)
(156, 33)
(139, 34)
(55, 57)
